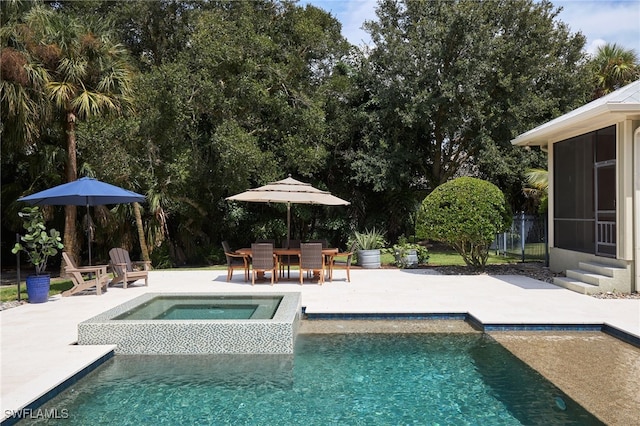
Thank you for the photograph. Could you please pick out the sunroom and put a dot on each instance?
(594, 192)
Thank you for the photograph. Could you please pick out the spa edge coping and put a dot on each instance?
(198, 336)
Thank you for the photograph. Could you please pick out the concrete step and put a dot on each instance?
(601, 268)
(576, 285)
(587, 276)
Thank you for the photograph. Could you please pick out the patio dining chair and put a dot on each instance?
(236, 261)
(327, 258)
(342, 261)
(263, 259)
(312, 260)
(125, 271)
(85, 277)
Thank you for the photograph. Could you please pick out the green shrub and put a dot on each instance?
(161, 257)
(465, 213)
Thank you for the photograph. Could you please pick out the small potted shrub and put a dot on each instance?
(369, 244)
(409, 255)
(39, 246)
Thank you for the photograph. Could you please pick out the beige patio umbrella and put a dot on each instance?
(289, 191)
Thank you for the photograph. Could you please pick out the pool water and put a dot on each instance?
(203, 307)
(197, 312)
(351, 379)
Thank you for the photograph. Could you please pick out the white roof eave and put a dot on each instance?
(617, 106)
(609, 112)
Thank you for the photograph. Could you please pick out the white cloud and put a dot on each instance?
(594, 45)
(604, 22)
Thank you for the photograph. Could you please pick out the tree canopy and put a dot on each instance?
(229, 95)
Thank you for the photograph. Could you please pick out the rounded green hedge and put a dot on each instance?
(465, 213)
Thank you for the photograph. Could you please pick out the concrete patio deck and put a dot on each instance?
(38, 351)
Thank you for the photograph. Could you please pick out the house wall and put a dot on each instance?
(561, 260)
(625, 187)
(627, 209)
(550, 201)
(636, 209)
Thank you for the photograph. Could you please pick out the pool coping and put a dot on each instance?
(30, 410)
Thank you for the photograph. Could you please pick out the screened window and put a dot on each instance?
(575, 212)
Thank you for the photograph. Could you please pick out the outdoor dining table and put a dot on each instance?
(329, 254)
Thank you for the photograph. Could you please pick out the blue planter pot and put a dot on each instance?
(38, 288)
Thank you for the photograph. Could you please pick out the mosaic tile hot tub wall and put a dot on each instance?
(270, 336)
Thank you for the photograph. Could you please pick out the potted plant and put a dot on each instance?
(39, 245)
(369, 244)
(409, 255)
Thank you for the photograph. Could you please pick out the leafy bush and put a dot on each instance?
(465, 213)
(161, 256)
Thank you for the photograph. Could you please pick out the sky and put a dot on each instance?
(601, 21)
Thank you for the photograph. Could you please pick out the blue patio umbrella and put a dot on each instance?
(85, 191)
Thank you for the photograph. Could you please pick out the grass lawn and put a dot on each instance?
(531, 251)
(451, 258)
(9, 292)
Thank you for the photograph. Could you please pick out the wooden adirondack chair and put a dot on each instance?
(96, 276)
(124, 270)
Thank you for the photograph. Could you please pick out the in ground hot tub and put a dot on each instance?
(198, 323)
(204, 307)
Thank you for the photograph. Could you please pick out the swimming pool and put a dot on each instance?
(372, 379)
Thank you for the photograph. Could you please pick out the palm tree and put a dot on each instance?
(72, 71)
(538, 189)
(614, 67)
(22, 86)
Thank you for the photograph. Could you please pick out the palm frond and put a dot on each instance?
(538, 179)
(73, 68)
(88, 104)
(61, 93)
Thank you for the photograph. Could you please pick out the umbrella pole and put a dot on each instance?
(18, 266)
(89, 233)
(288, 223)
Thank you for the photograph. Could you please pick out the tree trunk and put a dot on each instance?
(143, 241)
(71, 212)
